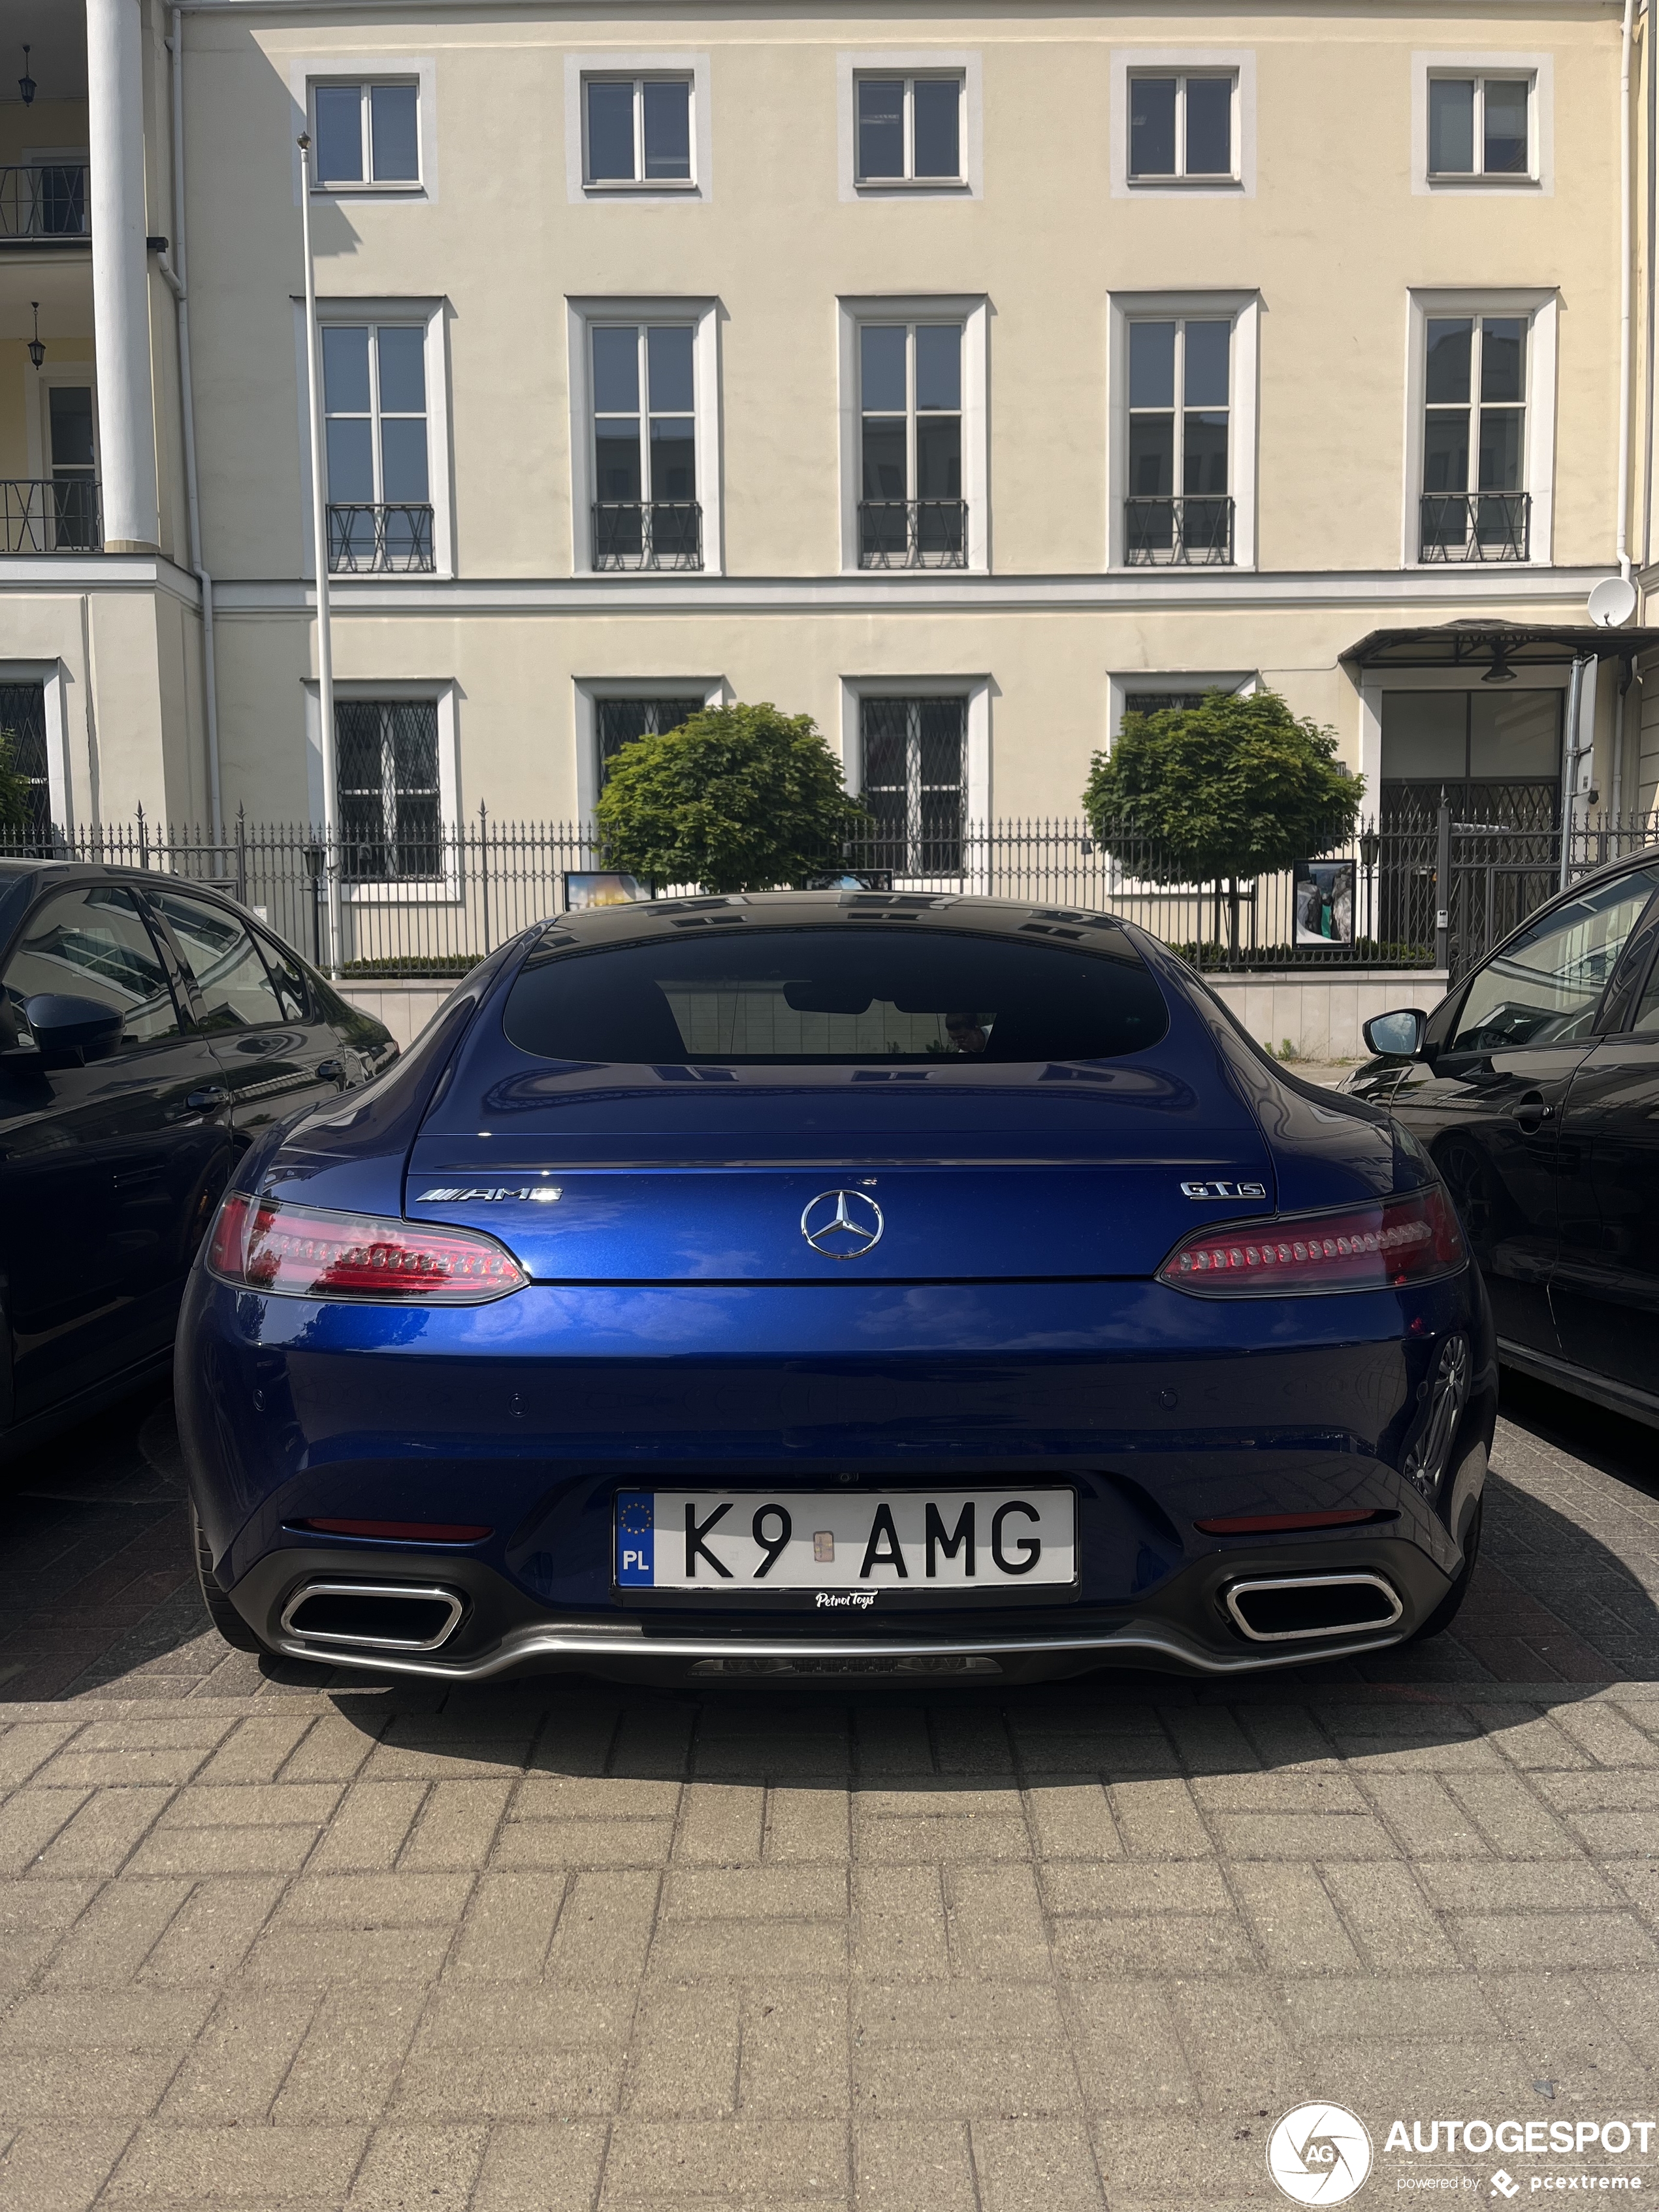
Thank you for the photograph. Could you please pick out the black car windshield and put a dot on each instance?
(817, 997)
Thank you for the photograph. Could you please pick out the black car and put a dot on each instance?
(1534, 1084)
(149, 1030)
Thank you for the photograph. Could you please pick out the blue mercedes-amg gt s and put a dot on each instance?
(838, 1283)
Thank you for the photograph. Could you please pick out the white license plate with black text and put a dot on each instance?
(844, 1549)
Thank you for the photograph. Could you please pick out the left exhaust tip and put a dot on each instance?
(374, 1616)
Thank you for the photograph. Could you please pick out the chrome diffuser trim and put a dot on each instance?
(305, 1640)
(576, 1644)
(1312, 1581)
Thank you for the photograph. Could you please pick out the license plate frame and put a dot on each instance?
(843, 1601)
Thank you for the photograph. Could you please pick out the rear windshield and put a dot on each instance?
(817, 997)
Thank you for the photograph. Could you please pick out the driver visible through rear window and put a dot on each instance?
(824, 996)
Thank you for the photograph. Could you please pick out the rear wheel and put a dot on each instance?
(1450, 1606)
(222, 1613)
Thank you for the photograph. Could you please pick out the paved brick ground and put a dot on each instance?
(559, 1948)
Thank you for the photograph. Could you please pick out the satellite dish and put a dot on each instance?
(1613, 602)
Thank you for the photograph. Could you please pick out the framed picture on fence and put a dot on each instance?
(1323, 897)
(591, 887)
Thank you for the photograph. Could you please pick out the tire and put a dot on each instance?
(1452, 1604)
(220, 1612)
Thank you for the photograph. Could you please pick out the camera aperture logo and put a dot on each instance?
(1319, 2154)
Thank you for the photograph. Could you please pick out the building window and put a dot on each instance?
(1475, 436)
(72, 523)
(23, 724)
(913, 774)
(647, 513)
(619, 722)
(387, 756)
(910, 130)
(379, 501)
(1179, 510)
(637, 130)
(1182, 126)
(1480, 126)
(911, 511)
(367, 134)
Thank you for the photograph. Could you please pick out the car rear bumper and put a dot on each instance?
(529, 1415)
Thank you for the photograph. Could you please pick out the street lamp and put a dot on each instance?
(26, 83)
(37, 348)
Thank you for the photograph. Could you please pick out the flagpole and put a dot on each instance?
(319, 560)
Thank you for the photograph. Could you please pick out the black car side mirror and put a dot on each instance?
(69, 1032)
(1396, 1037)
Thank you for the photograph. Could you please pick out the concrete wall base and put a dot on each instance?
(1319, 1016)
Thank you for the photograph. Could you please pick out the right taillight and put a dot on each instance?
(1390, 1245)
(305, 1252)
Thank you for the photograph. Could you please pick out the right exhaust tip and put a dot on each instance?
(1288, 1608)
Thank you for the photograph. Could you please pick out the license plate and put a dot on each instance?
(847, 1550)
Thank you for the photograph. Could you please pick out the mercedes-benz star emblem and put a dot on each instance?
(842, 1224)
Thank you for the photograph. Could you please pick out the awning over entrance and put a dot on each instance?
(1498, 644)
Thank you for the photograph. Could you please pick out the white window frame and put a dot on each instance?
(52, 677)
(589, 689)
(703, 315)
(911, 63)
(1185, 61)
(972, 311)
(578, 68)
(446, 890)
(1537, 307)
(305, 72)
(37, 413)
(1243, 309)
(434, 314)
(1540, 176)
(1120, 682)
(975, 690)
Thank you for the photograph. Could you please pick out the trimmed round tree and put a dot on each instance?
(1221, 792)
(737, 798)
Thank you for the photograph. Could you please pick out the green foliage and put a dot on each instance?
(14, 785)
(737, 798)
(1230, 787)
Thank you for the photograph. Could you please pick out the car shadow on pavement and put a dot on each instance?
(100, 1600)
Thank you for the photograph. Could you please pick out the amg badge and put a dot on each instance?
(1224, 1190)
(538, 1193)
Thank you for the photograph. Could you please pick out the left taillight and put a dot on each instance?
(303, 1252)
(1392, 1244)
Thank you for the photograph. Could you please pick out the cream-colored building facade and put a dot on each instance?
(956, 374)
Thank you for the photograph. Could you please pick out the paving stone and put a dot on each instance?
(1157, 1818)
(720, 1823)
(547, 2167)
(509, 1926)
(1293, 1919)
(1385, 1910)
(605, 1928)
(353, 2049)
(555, 1846)
(899, 1928)
(59, 2165)
(228, 2165)
(903, 2166)
(434, 2168)
(773, 2161)
(794, 2051)
(683, 2058)
(1193, 1887)
(1128, 2053)
(1072, 1820)
(1025, 2166)
(1497, 1940)
(370, 1828)
(807, 1825)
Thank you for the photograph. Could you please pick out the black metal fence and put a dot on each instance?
(466, 887)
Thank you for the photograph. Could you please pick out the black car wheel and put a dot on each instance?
(222, 1613)
(1450, 1606)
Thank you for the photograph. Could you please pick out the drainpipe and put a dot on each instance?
(174, 272)
(319, 560)
(1626, 288)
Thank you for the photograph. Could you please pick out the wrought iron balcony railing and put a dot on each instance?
(365, 540)
(1178, 534)
(1476, 525)
(913, 533)
(647, 533)
(45, 200)
(50, 514)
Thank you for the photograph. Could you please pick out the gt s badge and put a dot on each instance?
(539, 1194)
(1224, 1190)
